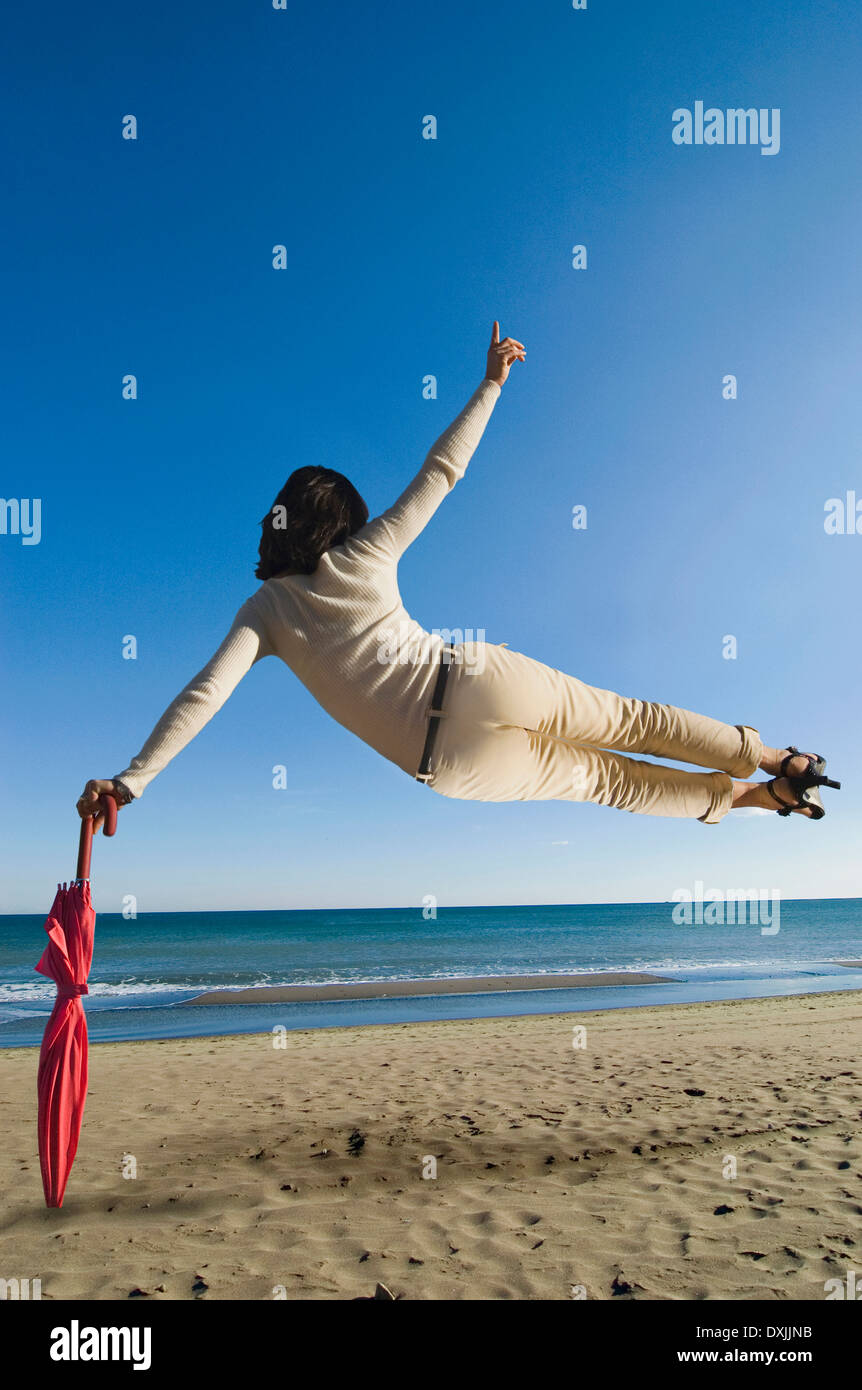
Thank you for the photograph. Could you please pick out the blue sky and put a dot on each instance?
(705, 516)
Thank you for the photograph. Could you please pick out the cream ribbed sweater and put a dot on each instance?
(343, 630)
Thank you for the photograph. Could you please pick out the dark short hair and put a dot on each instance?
(316, 509)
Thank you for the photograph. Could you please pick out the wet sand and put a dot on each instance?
(404, 989)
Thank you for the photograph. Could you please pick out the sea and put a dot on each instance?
(145, 967)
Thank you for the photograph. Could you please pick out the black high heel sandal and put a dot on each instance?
(804, 786)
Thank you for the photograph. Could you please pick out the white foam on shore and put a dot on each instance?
(43, 991)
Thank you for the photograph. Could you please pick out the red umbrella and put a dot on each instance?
(62, 1079)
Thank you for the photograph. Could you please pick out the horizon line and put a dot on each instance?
(414, 907)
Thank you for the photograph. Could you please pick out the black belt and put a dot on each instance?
(434, 713)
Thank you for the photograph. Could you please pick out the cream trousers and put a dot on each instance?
(516, 730)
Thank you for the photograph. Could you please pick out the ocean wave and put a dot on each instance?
(39, 991)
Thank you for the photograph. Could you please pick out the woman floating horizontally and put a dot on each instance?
(473, 721)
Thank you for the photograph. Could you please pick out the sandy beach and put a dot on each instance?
(607, 1167)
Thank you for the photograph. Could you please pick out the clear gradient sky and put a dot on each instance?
(705, 516)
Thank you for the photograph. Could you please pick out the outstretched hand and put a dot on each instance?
(88, 802)
(502, 355)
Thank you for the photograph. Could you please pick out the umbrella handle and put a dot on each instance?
(108, 806)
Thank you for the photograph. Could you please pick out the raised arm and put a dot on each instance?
(448, 457)
(245, 643)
